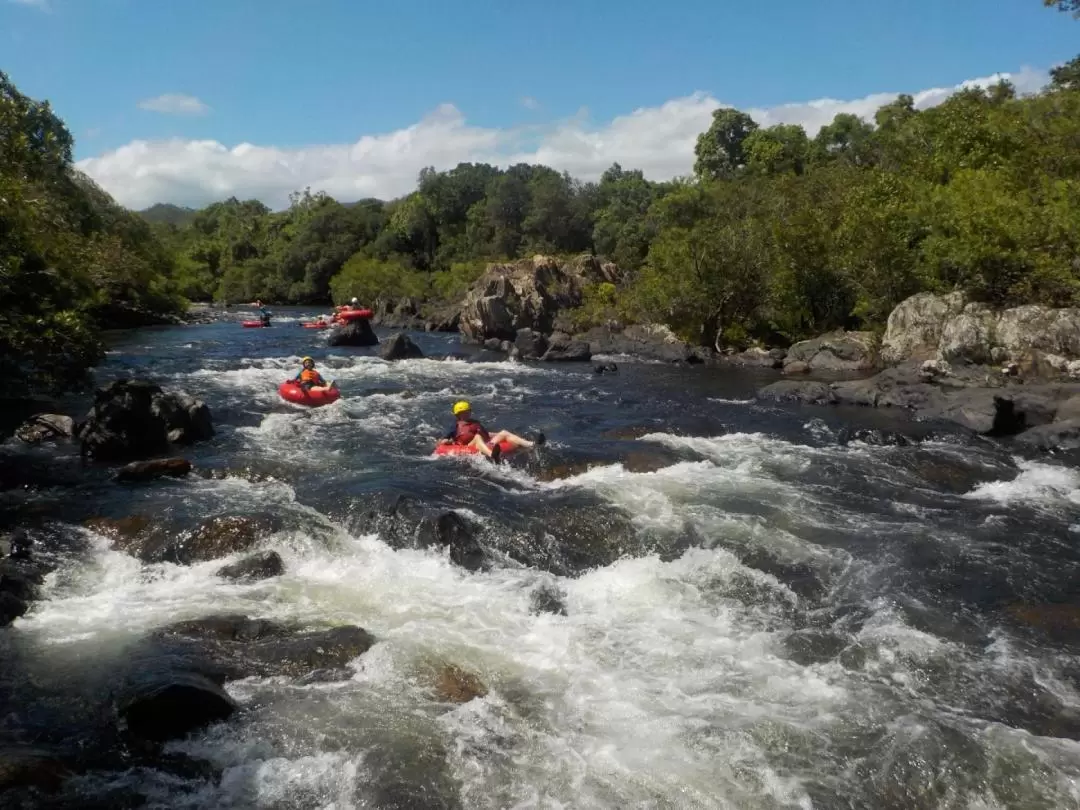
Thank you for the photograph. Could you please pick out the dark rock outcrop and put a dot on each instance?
(357, 332)
(979, 402)
(46, 427)
(213, 539)
(165, 704)
(400, 347)
(139, 471)
(21, 578)
(135, 419)
(261, 565)
(530, 345)
(564, 349)
(645, 341)
(239, 647)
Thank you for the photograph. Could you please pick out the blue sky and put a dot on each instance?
(294, 74)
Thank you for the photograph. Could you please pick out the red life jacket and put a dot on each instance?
(467, 430)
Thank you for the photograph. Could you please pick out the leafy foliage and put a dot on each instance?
(71, 260)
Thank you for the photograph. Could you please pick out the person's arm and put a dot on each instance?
(450, 434)
(483, 431)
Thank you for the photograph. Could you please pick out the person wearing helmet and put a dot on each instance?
(311, 380)
(264, 313)
(467, 431)
(355, 302)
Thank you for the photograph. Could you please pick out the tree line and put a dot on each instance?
(777, 235)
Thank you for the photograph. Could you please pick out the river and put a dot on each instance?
(759, 612)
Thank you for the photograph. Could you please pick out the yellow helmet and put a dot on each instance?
(461, 407)
(306, 359)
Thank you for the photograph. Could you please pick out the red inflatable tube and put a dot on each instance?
(315, 325)
(354, 314)
(253, 324)
(292, 392)
(469, 450)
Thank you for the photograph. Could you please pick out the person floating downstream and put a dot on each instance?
(468, 432)
(310, 379)
(264, 313)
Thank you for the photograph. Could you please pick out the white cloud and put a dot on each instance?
(530, 103)
(175, 104)
(657, 140)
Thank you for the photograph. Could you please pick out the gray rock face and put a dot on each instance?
(526, 294)
(972, 401)
(933, 327)
(835, 352)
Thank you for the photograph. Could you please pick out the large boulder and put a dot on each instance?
(46, 427)
(168, 704)
(400, 347)
(357, 332)
(135, 419)
(915, 326)
(650, 341)
(526, 294)
(530, 345)
(932, 327)
(564, 349)
(835, 352)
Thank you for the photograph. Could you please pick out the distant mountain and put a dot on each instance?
(168, 213)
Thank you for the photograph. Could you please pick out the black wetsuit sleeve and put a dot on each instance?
(452, 433)
(483, 431)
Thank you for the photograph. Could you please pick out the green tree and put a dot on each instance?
(719, 150)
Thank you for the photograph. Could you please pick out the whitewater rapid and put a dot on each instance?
(670, 681)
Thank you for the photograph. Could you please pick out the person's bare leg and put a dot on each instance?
(517, 441)
(479, 443)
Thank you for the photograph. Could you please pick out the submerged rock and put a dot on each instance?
(21, 578)
(25, 766)
(547, 599)
(139, 471)
(135, 419)
(240, 647)
(167, 705)
(261, 565)
(455, 685)
(213, 539)
(400, 347)
(357, 332)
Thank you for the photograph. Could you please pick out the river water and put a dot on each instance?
(759, 613)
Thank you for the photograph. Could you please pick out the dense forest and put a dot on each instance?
(777, 235)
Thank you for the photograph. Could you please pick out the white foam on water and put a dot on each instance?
(1038, 485)
(663, 686)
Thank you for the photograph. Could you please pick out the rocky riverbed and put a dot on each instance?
(693, 596)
